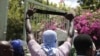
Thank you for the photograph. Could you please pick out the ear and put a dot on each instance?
(93, 47)
(92, 50)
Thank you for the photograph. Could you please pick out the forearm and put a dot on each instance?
(70, 31)
(28, 29)
(28, 25)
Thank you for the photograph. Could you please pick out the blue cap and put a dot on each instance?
(18, 48)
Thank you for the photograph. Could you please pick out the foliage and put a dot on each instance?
(90, 4)
(39, 1)
(88, 23)
(36, 22)
(16, 15)
(15, 20)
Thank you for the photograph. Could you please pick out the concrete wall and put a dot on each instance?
(3, 18)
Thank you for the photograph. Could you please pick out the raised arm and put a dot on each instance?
(70, 31)
(66, 46)
(33, 46)
(28, 25)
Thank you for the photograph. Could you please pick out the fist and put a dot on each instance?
(70, 17)
(30, 12)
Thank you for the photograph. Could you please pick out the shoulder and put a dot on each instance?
(64, 49)
(66, 45)
(33, 45)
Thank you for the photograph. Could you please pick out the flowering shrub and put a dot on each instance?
(88, 23)
(95, 27)
(82, 25)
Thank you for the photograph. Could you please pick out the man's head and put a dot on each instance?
(17, 47)
(83, 44)
(49, 42)
(5, 49)
(49, 38)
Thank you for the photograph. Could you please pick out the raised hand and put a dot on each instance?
(69, 16)
(30, 12)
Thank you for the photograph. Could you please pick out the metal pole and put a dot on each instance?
(47, 9)
(3, 18)
(25, 9)
(47, 2)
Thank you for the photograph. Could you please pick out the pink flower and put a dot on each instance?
(83, 25)
(85, 30)
(94, 37)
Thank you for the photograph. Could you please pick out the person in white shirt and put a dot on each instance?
(49, 37)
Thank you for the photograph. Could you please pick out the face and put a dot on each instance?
(5, 49)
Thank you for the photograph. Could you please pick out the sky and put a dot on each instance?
(71, 3)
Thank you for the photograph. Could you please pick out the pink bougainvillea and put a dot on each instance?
(88, 23)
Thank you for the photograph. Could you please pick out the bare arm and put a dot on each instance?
(32, 44)
(70, 31)
(65, 48)
(70, 17)
(28, 29)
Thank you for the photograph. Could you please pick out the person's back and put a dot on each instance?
(49, 47)
(84, 45)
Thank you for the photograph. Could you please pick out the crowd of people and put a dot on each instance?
(11, 48)
(83, 43)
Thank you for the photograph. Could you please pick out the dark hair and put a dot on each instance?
(82, 43)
